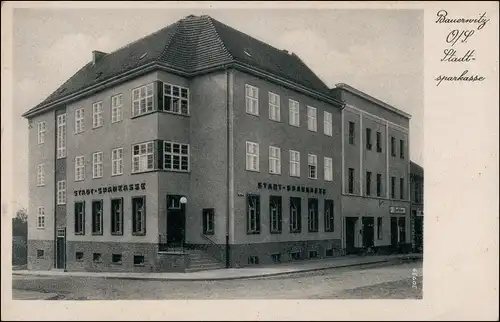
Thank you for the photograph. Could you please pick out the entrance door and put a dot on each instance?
(350, 234)
(394, 232)
(175, 221)
(368, 232)
(60, 249)
(402, 230)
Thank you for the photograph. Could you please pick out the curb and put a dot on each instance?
(146, 278)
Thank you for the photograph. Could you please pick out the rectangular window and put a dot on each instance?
(79, 256)
(379, 142)
(116, 108)
(80, 218)
(328, 169)
(252, 99)
(312, 161)
(274, 107)
(117, 161)
(142, 100)
(138, 215)
(80, 168)
(313, 254)
(329, 215)
(40, 175)
(61, 136)
(350, 185)
(368, 183)
(274, 160)
(97, 165)
(294, 163)
(312, 123)
(97, 217)
(39, 253)
(97, 257)
(176, 156)
(252, 156)
(61, 192)
(295, 215)
(139, 260)
(117, 216)
(327, 123)
(79, 120)
(41, 129)
(393, 146)
(352, 133)
(379, 228)
(293, 115)
(143, 157)
(313, 215)
(402, 149)
(379, 184)
(208, 221)
(401, 188)
(393, 187)
(253, 214)
(40, 218)
(253, 260)
(295, 255)
(368, 139)
(116, 258)
(275, 214)
(175, 99)
(97, 119)
(276, 258)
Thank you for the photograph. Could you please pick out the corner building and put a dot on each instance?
(194, 147)
(375, 174)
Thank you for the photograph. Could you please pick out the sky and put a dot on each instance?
(377, 51)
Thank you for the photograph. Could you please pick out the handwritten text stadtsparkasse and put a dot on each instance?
(454, 38)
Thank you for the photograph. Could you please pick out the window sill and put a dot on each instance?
(315, 131)
(329, 230)
(174, 113)
(40, 228)
(97, 127)
(312, 178)
(119, 121)
(144, 171)
(79, 132)
(117, 175)
(275, 232)
(116, 234)
(40, 185)
(275, 173)
(97, 177)
(252, 114)
(252, 170)
(140, 265)
(312, 231)
(174, 170)
(296, 232)
(294, 125)
(143, 114)
(210, 233)
(253, 232)
(79, 234)
(79, 180)
(139, 234)
(277, 121)
(97, 234)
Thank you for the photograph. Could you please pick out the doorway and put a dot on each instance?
(175, 221)
(350, 234)
(394, 232)
(402, 230)
(368, 231)
(61, 249)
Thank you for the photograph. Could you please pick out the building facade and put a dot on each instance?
(375, 173)
(417, 206)
(167, 149)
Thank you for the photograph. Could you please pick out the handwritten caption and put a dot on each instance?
(456, 40)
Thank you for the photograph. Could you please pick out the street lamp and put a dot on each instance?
(183, 200)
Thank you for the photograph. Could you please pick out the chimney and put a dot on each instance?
(96, 56)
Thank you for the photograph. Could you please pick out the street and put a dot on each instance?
(373, 281)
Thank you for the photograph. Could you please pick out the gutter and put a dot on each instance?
(230, 162)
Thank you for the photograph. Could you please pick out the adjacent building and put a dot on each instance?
(417, 206)
(195, 143)
(375, 173)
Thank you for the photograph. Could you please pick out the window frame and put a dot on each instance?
(350, 180)
(116, 223)
(402, 188)
(379, 184)
(312, 166)
(368, 134)
(170, 97)
(97, 164)
(293, 115)
(80, 120)
(117, 163)
(328, 169)
(274, 107)
(40, 217)
(312, 215)
(61, 135)
(79, 218)
(142, 97)
(295, 215)
(368, 183)
(142, 231)
(116, 108)
(41, 128)
(312, 118)
(379, 142)
(393, 187)
(182, 156)
(251, 102)
(276, 218)
(61, 192)
(141, 155)
(329, 216)
(393, 146)
(40, 175)
(79, 168)
(352, 132)
(97, 115)
(327, 123)
(401, 149)
(208, 221)
(253, 226)
(294, 163)
(274, 160)
(97, 217)
(254, 155)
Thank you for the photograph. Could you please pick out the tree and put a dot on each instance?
(20, 238)
(20, 224)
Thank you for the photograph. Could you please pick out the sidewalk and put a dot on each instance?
(236, 273)
(31, 295)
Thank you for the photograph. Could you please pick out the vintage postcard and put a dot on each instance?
(228, 154)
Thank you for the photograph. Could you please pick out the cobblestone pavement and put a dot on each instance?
(370, 281)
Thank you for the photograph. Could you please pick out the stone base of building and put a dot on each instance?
(38, 261)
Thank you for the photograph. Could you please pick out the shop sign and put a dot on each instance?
(294, 188)
(397, 210)
(111, 189)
